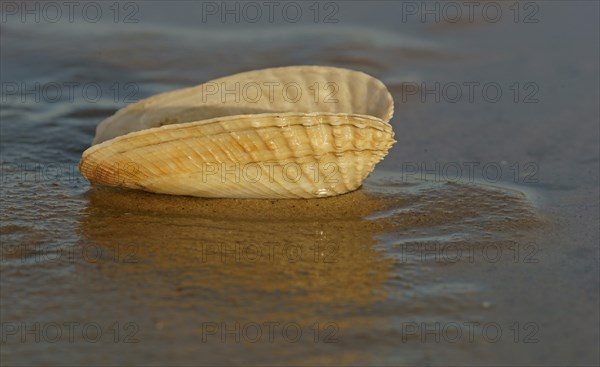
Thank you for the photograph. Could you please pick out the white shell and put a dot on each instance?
(191, 142)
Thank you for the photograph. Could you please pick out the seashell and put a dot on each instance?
(289, 132)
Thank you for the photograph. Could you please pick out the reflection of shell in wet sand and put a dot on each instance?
(321, 134)
(264, 253)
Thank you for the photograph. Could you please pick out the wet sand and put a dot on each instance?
(421, 266)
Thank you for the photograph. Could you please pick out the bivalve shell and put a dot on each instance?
(201, 142)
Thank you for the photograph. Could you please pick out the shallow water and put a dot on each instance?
(424, 265)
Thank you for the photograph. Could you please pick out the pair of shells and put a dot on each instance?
(289, 132)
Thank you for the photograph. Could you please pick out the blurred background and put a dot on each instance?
(491, 263)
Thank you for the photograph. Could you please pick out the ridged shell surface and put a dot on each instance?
(188, 143)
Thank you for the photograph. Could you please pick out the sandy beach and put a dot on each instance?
(474, 242)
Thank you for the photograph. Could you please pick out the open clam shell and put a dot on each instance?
(213, 140)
